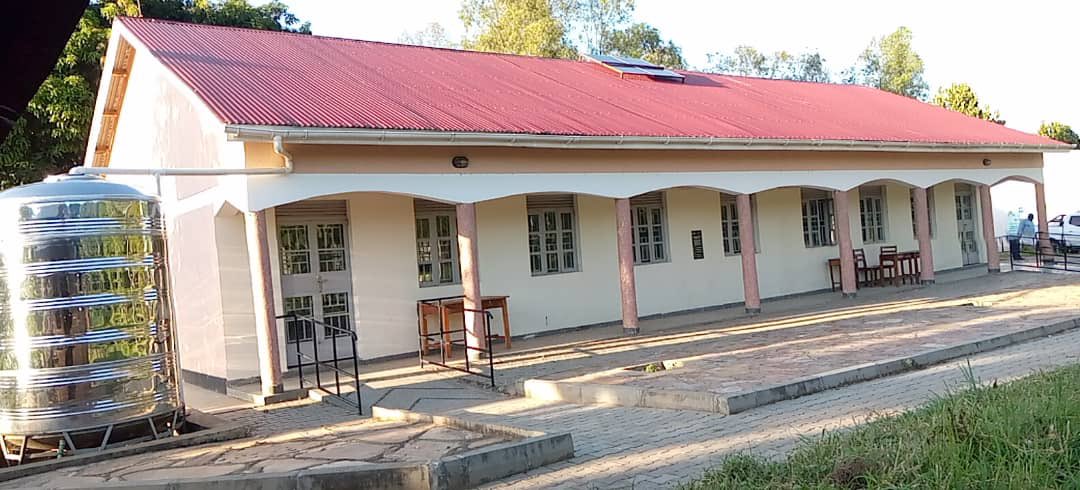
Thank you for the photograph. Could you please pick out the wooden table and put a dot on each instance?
(906, 267)
(834, 263)
(444, 307)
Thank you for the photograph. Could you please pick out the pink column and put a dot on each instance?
(627, 286)
(751, 294)
(922, 226)
(1044, 226)
(262, 291)
(843, 238)
(470, 277)
(993, 257)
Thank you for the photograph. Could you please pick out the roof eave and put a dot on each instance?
(361, 136)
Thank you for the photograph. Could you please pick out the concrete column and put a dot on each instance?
(1044, 226)
(751, 294)
(843, 238)
(470, 277)
(262, 291)
(627, 285)
(922, 225)
(993, 257)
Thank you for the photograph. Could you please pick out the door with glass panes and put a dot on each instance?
(965, 223)
(315, 283)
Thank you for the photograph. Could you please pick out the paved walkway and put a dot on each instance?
(743, 354)
(642, 448)
(623, 447)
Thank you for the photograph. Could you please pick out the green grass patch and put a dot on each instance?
(1024, 434)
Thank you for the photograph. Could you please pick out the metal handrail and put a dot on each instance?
(444, 362)
(1050, 250)
(335, 367)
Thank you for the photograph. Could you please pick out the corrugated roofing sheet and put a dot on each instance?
(280, 79)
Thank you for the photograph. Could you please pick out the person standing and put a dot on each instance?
(1012, 231)
(1025, 233)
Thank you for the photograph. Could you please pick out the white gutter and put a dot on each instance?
(279, 148)
(359, 136)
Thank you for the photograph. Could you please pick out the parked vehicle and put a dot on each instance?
(1065, 231)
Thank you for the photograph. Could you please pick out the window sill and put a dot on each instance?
(636, 264)
(545, 274)
(756, 252)
(441, 284)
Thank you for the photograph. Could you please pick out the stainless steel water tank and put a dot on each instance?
(87, 349)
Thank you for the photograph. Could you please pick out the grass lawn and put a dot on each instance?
(1024, 434)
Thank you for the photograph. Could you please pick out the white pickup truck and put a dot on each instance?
(1065, 231)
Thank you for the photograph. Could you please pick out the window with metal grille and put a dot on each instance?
(929, 209)
(436, 243)
(818, 219)
(872, 213)
(335, 310)
(649, 224)
(729, 222)
(552, 226)
(298, 329)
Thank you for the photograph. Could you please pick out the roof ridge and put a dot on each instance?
(343, 39)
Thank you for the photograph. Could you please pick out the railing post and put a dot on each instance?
(490, 352)
(315, 351)
(337, 375)
(356, 373)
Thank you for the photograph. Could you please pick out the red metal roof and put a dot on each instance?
(281, 79)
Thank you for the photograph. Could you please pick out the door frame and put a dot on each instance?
(965, 189)
(322, 342)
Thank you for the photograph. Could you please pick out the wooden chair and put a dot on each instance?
(869, 275)
(888, 265)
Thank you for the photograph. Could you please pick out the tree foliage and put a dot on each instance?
(891, 64)
(960, 97)
(599, 20)
(433, 35)
(51, 135)
(643, 41)
(544, 28)
(748, 61)
(1059, 131)
(529, 27)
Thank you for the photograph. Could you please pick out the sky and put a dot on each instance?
(1018, 56)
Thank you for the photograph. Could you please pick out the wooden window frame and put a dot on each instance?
(873, 217)
(729, 225)
(818, 220)
(541, 253)
(929, 212)
(651, 212)
(435, 260)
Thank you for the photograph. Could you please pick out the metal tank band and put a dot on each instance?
(87, 347)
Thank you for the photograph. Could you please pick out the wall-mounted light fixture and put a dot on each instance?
(986, 162)
(460, 162)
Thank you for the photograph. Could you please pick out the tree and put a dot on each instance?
(748, 61)
(529, 27)
(1059, 131)
(51, 135)
(961, 98)
(599, 20)
(891, 64)
(433, 35)
(643, 41)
